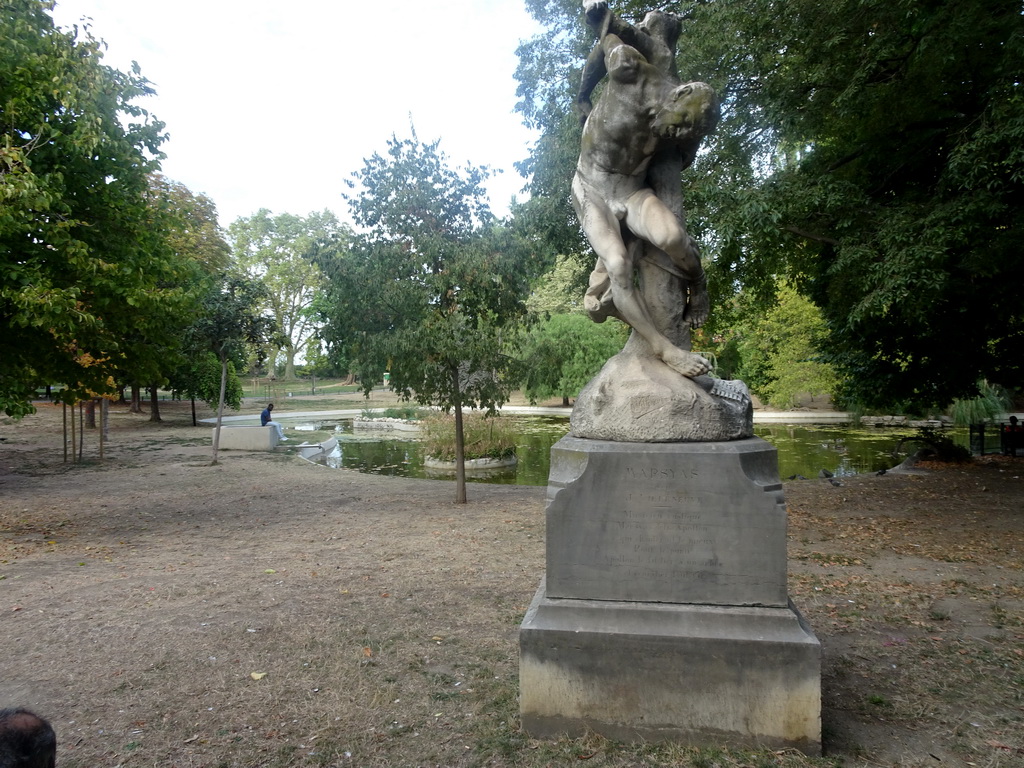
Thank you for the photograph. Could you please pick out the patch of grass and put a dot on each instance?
(485, 437)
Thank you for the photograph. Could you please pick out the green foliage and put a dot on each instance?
(189, 223)
(870, 152)
(559, 291)
(407, 412)
(277, 251)
(549, 74)
(778, 351)
(83, 268)
(989, 403)
(563, 352)
(230, 323)
(200, 379)
(486, 437)
(432, 286)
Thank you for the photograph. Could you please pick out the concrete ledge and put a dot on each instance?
(248, 438)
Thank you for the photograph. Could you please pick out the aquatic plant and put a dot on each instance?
(486, 437)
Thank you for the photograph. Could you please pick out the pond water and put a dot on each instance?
(803, 449)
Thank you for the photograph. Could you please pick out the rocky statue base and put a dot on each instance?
(664, 615)
(637, 398)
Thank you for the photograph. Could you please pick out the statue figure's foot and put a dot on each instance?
(686, 363)
(598, 301)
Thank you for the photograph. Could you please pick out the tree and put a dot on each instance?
(560, 290)
(870, 153)
(897, 190)
(431, 288)
(80, 263)
(194, 250)
(190, 224)
(561, 353)
(275, 250)
(229, 326)
(780, 357)
(199, 377)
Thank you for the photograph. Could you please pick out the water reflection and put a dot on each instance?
(804, 450)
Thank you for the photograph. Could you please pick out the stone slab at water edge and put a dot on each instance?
(246, 438)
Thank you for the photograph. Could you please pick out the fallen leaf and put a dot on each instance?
(257, 675)
(367, 651)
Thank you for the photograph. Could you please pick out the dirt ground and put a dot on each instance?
(269, 612)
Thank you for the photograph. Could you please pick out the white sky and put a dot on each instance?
(273, 104)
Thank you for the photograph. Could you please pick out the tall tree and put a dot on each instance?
(431, 287)
(276, 251)
(79, 262)
(192, 231)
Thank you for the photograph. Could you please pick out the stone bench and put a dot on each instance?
(246, 438)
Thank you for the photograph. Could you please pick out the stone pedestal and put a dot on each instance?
(664, 614)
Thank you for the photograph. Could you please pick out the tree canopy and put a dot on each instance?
(431, 284)
(276, 250)
(869, 152)
(81, 263)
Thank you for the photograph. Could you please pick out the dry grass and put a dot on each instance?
(271, 613)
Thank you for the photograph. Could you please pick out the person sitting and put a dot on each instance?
(1013, 438)
(266, 419)
(26, 740)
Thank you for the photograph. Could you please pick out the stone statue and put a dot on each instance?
(639, 137)
(663, 613)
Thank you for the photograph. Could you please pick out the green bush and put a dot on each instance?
(990, 402)
(486, 437)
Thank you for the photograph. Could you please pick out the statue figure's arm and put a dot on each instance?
(593, 72)
(600, 18)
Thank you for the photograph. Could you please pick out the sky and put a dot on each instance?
(272, 104)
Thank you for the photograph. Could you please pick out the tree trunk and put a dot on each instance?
(289, 363)
(220, 405)
(104, 423)
(136, 406)
(90, 414)
(460, 443)
(565, 401)
(74, 437)
(194, 422)
(154, 403)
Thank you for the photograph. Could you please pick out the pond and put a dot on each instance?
(803, 449)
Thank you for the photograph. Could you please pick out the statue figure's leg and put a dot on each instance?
(652, 221)
(602, 229)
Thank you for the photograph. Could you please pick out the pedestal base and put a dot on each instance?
(707, 675)
(665, 613)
